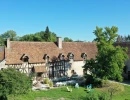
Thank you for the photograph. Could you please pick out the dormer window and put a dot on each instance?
(61, 56)
(84, 56)
(46, 58)
(24, 58)
(70, 56)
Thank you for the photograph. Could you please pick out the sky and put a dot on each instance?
(76, 19)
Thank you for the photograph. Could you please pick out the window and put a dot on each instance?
(24, 58)
(46, 57)
(61, 56)
(84, 56)
(70, 56)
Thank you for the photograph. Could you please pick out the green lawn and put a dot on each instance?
(76, 94)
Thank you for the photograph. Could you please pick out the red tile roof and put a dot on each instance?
(36, 50)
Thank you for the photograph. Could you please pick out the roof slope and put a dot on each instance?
(37, 50)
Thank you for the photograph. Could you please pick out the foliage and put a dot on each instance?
(103, 96)
(46, 81)
(76, 94)
(92, 97)
(13, 82)
(123, 38)
(110, 60)
(66, 39)
(9, 34)
(1, 41)
(105, 83)
(115, 88)
(51, 84)
(40, 36)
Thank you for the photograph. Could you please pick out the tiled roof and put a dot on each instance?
(1, 53)
(36, 50)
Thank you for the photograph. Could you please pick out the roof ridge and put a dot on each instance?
(32, 42)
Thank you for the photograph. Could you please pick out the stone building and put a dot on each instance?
(47, 59)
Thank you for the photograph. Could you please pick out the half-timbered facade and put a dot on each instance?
(48, 59)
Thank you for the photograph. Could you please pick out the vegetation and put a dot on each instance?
(13, 82)
(109, 62)
(40, 36)
(9, 34)
(46, 36)
(66, 39)
(76, 94)
(123, 38)
(48, 81)
(115, 88)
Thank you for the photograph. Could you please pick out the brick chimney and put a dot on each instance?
(8, 43)
(59, 42)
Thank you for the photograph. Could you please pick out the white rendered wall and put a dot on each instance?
(2, 64)
(77, 66)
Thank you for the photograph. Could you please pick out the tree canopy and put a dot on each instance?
(46, 36)
(9, 34)
(66, 39)
(109, 62)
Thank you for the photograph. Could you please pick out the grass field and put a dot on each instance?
(76, 94)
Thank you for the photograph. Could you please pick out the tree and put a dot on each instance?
(47, 35)
(1, 41)
(109, 62)
(9, 34)
(53, 37)
(119, 39)
(66, 39)
(13, 82)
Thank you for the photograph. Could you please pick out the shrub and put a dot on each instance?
(115, 88)
(103, 96)
(46, 81)
(97, 82)
(91, 97)
(51, 84)
(105, 83)
(14, 82)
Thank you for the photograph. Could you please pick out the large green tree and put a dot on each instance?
(47, 35)
(109, 62)
(9, 34)
(13, 82)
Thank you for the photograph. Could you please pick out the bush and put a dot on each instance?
(51, 84)
(105, 83)
(97, 82)
(46, 81)
(14, 82)
(115, 88)
(103, 96)
(91, 97)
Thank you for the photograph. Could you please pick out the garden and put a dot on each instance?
(80, 93)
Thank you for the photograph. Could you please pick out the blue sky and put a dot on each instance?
(75, 19)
